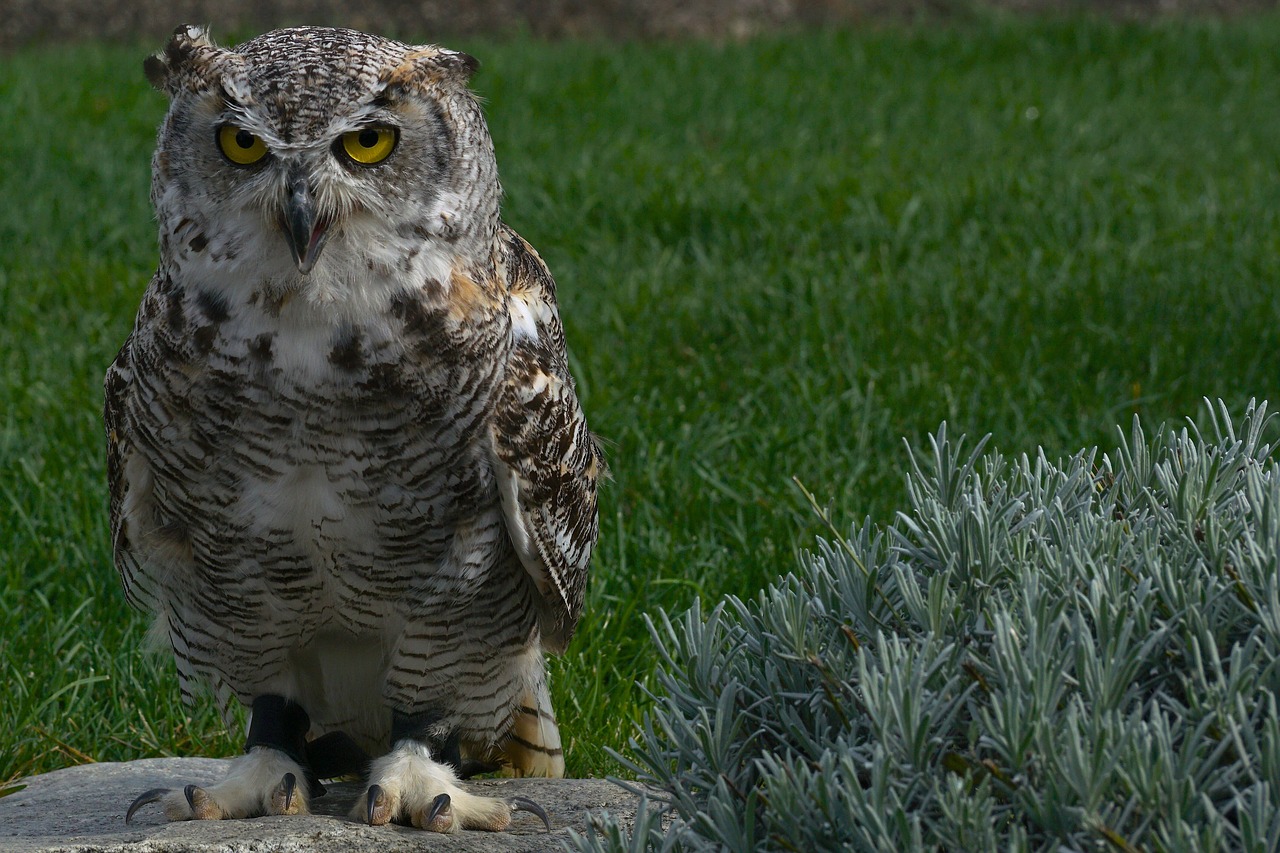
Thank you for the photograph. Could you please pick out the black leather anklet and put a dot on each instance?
(282, 724)
(425, 728)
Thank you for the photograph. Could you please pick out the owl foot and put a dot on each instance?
(263, 782)
(409, 787)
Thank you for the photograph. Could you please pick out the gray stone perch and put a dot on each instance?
(81, 809)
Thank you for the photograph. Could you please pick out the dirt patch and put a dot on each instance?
(32, 21)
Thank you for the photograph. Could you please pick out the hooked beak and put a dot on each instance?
(304, 229)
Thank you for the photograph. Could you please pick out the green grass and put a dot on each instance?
(775, 259)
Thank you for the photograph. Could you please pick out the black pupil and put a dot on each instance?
(244, 139)
(368, 138)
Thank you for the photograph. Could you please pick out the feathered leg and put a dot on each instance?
(417, 784)
(271, 778)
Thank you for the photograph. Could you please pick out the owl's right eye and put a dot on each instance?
(240, 146)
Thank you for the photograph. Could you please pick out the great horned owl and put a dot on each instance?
(349, 473)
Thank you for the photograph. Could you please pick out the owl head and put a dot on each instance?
(313, 149)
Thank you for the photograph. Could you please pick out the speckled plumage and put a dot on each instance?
(363, 482)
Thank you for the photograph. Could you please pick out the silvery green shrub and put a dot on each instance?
(1080, 654)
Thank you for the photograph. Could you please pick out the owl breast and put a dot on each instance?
(346, 456)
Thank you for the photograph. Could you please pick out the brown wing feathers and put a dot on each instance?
(541, 437)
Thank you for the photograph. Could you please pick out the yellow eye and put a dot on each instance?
(240, 146)
(369, 146)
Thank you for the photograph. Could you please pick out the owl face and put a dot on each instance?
(317, 150)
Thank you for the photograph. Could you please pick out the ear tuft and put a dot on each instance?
(182, 59)
(157, 72)
(430, 65)
(462, 65)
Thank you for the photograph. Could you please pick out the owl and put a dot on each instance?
(348, 471)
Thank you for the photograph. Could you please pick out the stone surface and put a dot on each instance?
(82, 809)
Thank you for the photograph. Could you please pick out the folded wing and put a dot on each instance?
(548, 462)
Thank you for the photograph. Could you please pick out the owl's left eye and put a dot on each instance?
(370, 146)
(240, 146)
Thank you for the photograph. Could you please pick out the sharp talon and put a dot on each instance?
(145, 798)
(190, 792)
(439, 806)
(521, 804)
(290, 783)
(374, 794)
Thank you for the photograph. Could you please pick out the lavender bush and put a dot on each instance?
(1077, 654)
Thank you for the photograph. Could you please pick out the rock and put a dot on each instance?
(82, 809)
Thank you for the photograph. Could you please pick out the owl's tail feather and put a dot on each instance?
(533, 747)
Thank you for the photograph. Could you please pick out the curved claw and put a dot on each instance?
(373, 794)
(439, 806)
(523, 804)
(290, 783)
(190, 793)
(145, 798)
